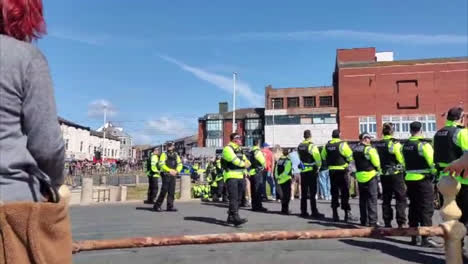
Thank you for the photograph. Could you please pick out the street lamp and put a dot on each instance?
(273, 119)
(234, 127)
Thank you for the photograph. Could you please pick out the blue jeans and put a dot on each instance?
(324, 184)
(267, 177)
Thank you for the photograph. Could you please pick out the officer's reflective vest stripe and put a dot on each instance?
(334, 158)
(280, 167)
(416, 164)
(365, 170)
(232, 171)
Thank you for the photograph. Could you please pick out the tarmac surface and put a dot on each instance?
(136, 219)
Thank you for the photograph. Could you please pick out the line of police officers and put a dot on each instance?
(407, 170)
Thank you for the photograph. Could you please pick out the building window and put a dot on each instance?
(253, 124)
(402, 124)
(293, 102)
(66, 143)
(277, 103)
(368, 124)
(81, 146)
(214, 142)
(326, 101)
(214, 125)
(309, 101)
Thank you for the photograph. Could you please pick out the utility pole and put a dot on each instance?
(234, 126)
(104, 132)
(273, 119)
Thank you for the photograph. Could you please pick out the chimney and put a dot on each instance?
(223, 107)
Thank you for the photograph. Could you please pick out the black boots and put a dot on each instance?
(348, 217)
(336, 217)
(236, 220)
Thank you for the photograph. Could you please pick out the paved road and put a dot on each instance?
(125, 220)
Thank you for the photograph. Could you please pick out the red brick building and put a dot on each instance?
(214, 129)
(369, 92)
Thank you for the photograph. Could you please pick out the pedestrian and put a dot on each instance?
(450, 143)
(337, 154)
(393, 177)
(170, 165)
(311, 159)
(153, 176)
(367, 163)
(219, 179)
(324, 183)
(268, 172)
(283, 175)
(256, 172)
(234, 164)
(296, 180)
(420, 171)
(34, 222)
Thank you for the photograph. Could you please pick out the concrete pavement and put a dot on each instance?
(130, 220)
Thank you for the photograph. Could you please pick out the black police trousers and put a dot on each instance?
(286, 196)
(235, 189)
(153, 188)
(256, 189)
(394, 185)
(368, 193)
(339, 189)
(421, 197)
(221, 194)
(462, 202)
(308, 187)
(168, 188)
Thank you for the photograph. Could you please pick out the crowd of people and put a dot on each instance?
(86, 167)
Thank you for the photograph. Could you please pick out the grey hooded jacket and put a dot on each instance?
(31, 145)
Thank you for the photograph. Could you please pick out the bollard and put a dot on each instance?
(453, 229)
(185, 187)
(103, 179)
(137, 180)
(87, 190)
(123, 193)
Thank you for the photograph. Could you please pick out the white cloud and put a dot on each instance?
(81, 37)
(159, 130)
(419, 39)
(96, 109)
(171, 127)
(222, 82)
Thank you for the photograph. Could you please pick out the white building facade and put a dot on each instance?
(82, 143)
(291, 111)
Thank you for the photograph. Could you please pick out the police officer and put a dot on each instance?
(337, 155)
(311, 160)
(170, 165)
(219, 180)
(283, 176)
(234, 164)
(153, 176)
(418, 155)
(367, 162)
(257, 161)
(450, 143)
(393, 177)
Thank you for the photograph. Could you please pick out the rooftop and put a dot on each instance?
(355, 64)
(72, 124)
(100, 134)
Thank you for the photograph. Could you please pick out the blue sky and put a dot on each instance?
(161, 64)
